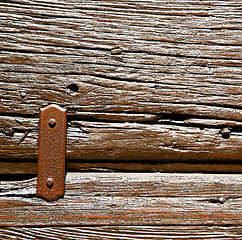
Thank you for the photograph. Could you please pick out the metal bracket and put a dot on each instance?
(51, 152)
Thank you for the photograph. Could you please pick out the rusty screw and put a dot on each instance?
(52, 122)
(49, 182)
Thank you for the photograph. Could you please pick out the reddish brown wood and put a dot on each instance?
(172, 70)
(127, 199)
(130, 141)
(144, 82)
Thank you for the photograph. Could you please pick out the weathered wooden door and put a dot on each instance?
(153, 94)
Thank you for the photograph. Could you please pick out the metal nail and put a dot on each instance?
(52, 122)
(50, 182)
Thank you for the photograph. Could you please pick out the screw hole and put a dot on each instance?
(73, 87)
(224, 136)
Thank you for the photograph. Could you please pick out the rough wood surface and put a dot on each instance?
(172, 70)
(124, 141)
(127, 199)
(123, 232)
(181, 57)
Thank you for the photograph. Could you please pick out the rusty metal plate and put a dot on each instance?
(51, 152)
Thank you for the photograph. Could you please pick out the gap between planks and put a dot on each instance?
(26, 167)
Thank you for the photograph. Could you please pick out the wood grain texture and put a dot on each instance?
(179, 57)
(129, 141)
(123, 232)
(172, 70)
(127, 199)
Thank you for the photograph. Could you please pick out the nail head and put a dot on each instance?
(52, 122)
(8, 131)
(23, 94)
(226, 131)
(50, 182)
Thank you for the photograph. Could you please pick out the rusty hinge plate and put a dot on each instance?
(51, 152)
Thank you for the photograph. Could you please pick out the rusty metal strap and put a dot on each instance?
(51, 152)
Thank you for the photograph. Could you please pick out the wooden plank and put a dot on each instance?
(169, 62)
(130, 141)
(124, 232)
(127, 199)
